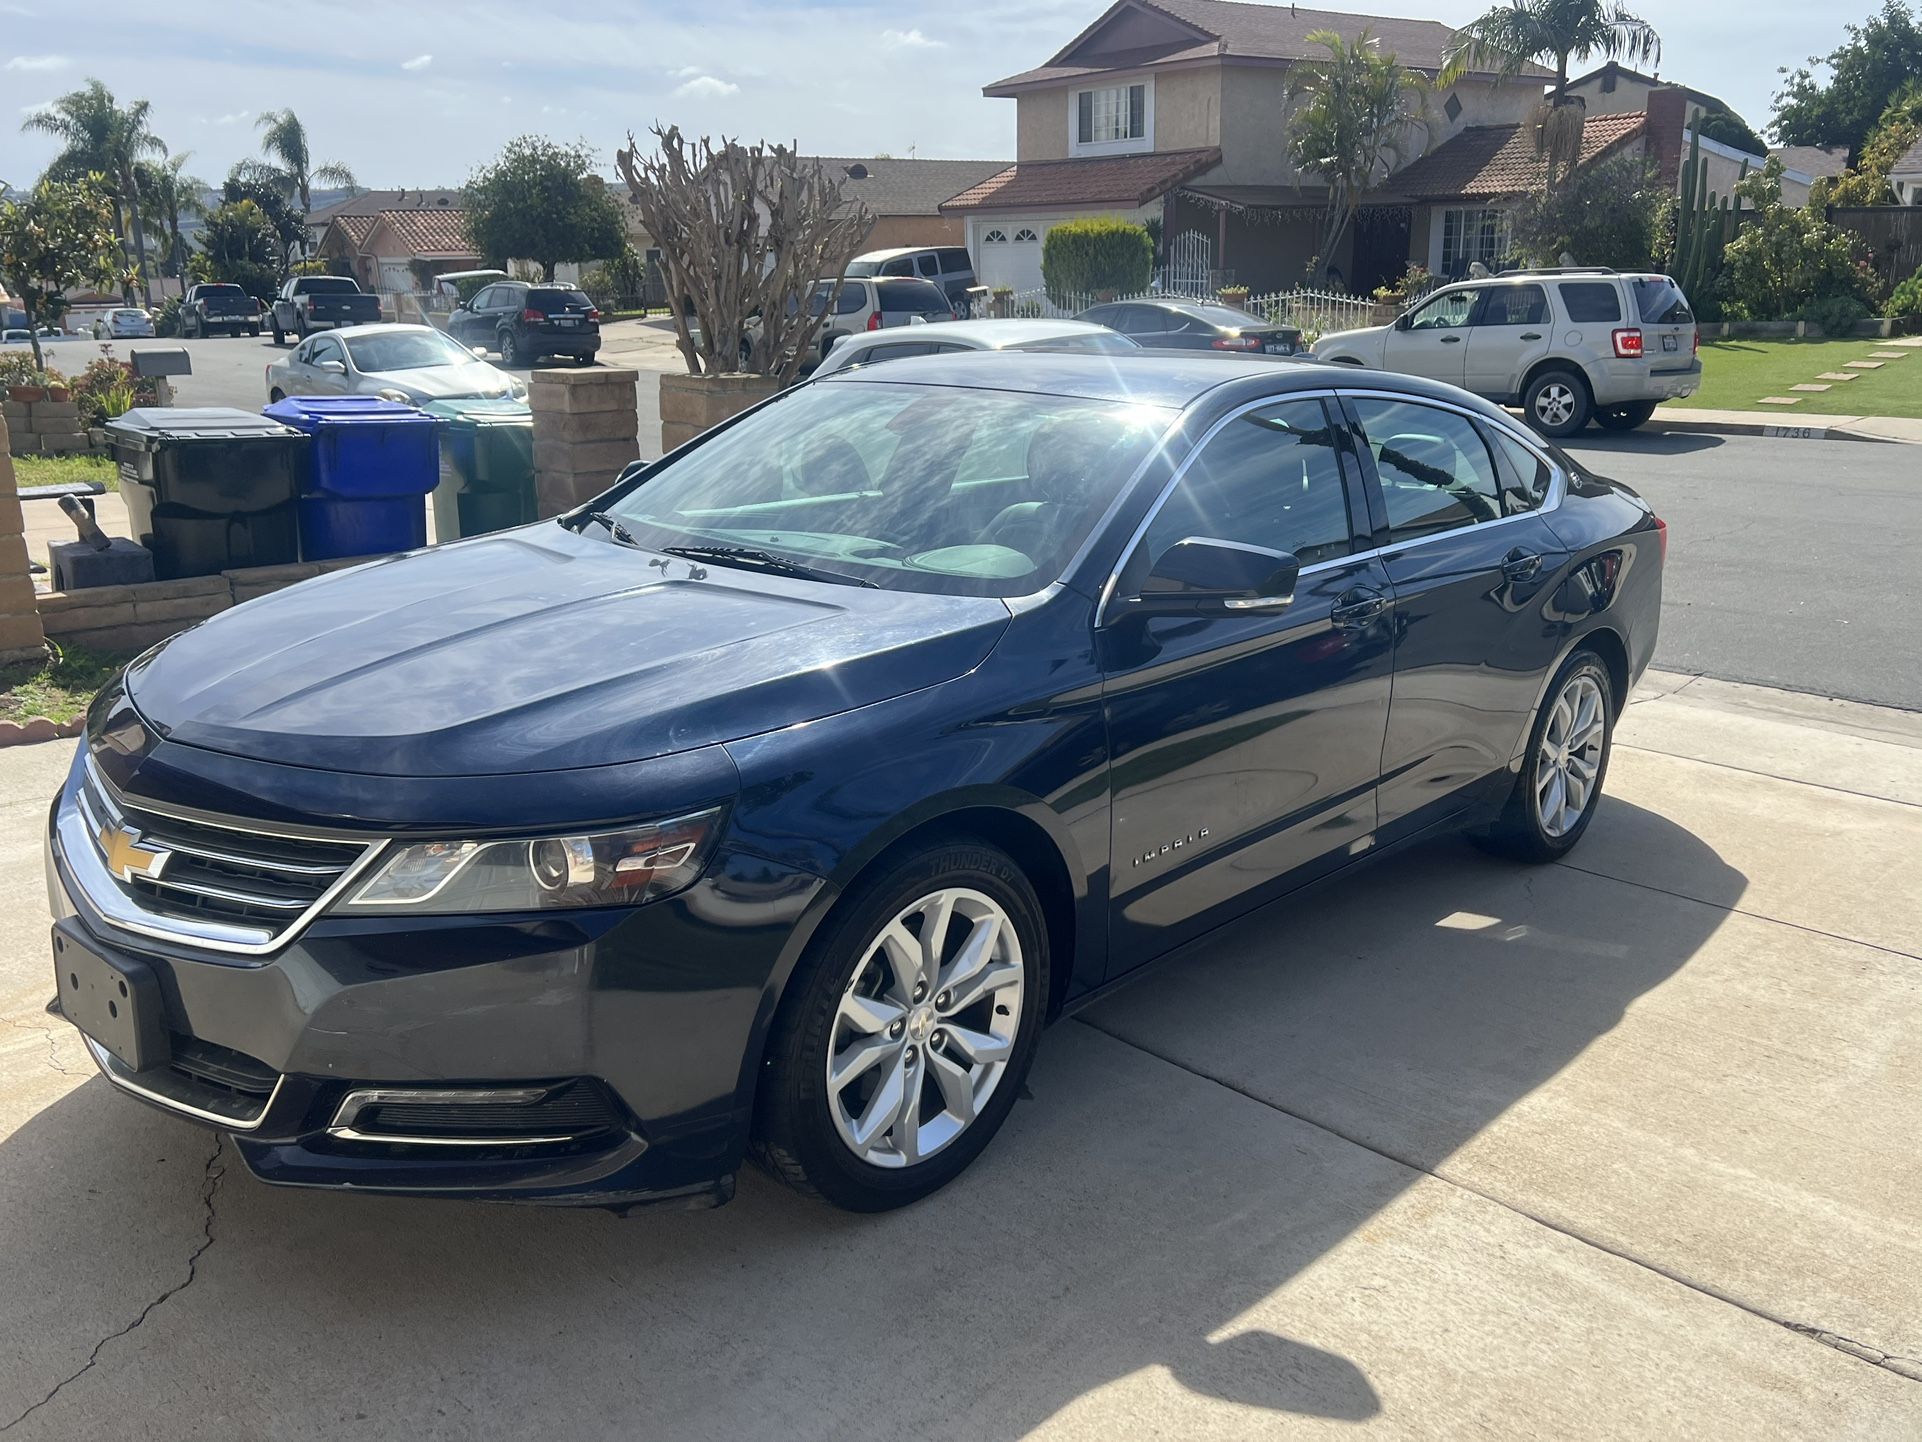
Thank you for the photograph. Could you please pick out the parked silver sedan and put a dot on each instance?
(873, 347)
(412, 364)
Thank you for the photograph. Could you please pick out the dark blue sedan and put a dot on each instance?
(777, 800)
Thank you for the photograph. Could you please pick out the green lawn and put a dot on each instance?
(1738, 373)
(59, 689)
(64, 470)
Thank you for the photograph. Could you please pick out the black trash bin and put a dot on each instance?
(209, 489)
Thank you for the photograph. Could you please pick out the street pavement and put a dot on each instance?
(1619, 1147)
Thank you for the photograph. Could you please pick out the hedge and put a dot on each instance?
(1082, 260)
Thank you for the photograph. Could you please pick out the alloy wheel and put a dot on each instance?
(1555, 404)
(925, 1029)
(1569, 759)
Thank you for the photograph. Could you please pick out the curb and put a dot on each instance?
(1773, 429)
(38, 728)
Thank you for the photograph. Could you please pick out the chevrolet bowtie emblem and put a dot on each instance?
(126, 858)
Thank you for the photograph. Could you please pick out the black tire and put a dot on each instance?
(280, 336)
(275, 396)
(1556, 403)
(1520, 832)
(253, 330)
(187, 330)
(1624, 418)
(300, 326)
(510, 349)
(794, 1135)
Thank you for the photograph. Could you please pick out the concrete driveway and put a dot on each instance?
(1621, 1147)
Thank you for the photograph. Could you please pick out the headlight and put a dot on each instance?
(516, 390)
(390, 394)
(593, 868)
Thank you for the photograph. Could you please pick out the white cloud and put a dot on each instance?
(685, 72)
(706, 87)
(233, 118)
(419, 62)
(909, 40)
(44, 107)
(37, 62)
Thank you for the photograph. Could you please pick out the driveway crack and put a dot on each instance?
(53, 1045)
(215, 1169)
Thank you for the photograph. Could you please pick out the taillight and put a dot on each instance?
(1661, 535)
(874, 321)
(535, 316)
(1695, 342)
(312, 305)
(593, 314)
(1628, 344)
(1236, 342)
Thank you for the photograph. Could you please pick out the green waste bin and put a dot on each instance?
(486, 467)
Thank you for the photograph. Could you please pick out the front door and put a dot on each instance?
(1433, 343)
(1470, 561)
(1511, 331)
(1246, 748)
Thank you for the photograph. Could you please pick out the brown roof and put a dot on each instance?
(373, 202)
(429, 234)
(1501, 159)
(1813, 161)
(1910, 162)
(356, 227)
(1237, 29)
(1127, 180)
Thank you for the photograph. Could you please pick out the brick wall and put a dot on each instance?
(42, 427)
(21, 638)
(586, 428)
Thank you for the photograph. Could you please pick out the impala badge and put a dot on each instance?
(126, 858)
(1168, 847)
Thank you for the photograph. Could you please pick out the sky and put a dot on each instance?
(404, 95)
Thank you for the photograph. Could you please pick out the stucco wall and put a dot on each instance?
(893, 230)
(1188, 108)
(1628, 95)
(1041, 125)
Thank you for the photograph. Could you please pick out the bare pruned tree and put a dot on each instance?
(744, 231)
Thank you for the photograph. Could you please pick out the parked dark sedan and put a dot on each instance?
(776, 800)
(1176, 324)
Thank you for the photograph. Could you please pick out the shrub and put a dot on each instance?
(1089, 258)
(108, 388)
(1413, 281)
(1610, 214)
(1906, 299)
(1835, 314)
(166, 319)
(1788, 257)
(17, 369)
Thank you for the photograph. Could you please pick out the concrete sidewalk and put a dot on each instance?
(1620, 1147)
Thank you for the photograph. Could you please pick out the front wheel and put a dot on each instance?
(253, 330)
(276, 396)
(510, 349)
(280, 336)
(1624, 418)
(1556, 403)
(1562, 772)
(907, 1031)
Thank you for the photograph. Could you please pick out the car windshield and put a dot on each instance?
(1083, 342)
(404, 351)
(917, 488)
(326, 285)
(863, 267)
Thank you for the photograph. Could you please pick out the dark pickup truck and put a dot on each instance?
(310, 302)
(210, 309)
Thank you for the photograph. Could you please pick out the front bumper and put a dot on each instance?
(622, 1036)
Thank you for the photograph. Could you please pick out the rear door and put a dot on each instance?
(1245, 749)
(1668, 325)
(1435, 342)
(1509, 332)
(1472, 563)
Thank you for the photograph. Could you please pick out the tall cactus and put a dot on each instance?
(1703, 224)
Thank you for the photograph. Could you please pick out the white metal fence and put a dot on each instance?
(1314, 311)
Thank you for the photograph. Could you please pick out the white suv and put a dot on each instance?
(1564, 345)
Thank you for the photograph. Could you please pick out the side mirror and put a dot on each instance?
(479, 350)
(332, 367)
(1202, 577)
(1405, 320)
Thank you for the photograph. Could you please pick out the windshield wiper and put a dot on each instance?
(614, 527)
(750, 559)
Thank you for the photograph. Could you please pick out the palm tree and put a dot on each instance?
(1352, 120)
(288, 165)
(175, 193)
(98, 135)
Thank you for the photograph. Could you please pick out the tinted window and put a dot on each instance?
(326, 285)
(1590, 300)
(1083, 344)
(403, 350)
(918, 488)
(854, 298)
(928, 265)
(1434, 467)
(1140, 320)
(900, 265)
(1225, 317)
(874, 355)
(483, 299)
(552, 300)
(864, 267)
(326, 349)
(209, 292)
(923, 299)
(1446, 311)
(1525, 475)
(1513, 305)
(1270, 478)
(1659, 301)
(955, 260)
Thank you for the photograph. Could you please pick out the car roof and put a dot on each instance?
(385, 327)
(1173, 379)
(896, 250)
(985, 334)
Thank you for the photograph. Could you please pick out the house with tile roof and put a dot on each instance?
(1176, 109)
(391, 252)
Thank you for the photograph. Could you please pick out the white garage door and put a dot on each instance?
(1008, 252)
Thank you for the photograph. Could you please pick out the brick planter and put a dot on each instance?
(692, 404)
(586, 430)
(42, 421)
(21, 638)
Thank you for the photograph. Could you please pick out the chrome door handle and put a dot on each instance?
(1520, 565)
(1353, 615)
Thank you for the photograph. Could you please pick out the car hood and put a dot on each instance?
(440, 383)
(542, 649)
(1365, 343)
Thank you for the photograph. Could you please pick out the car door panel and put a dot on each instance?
(1435, 343)
(1245, 748)
(1511, 331)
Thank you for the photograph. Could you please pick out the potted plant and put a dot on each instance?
(1234, 295)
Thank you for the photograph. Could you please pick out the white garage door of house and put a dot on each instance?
(396, 277)
(1008, 252)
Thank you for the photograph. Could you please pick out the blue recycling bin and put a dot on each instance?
(371, 465)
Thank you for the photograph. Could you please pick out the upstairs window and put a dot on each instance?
(1112, 115)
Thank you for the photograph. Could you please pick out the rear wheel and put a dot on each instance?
(907, 1032)
(276, 395)
(1556, 403)
(1624, 418)
(510, 349)
(1562, 773)
(280, 336)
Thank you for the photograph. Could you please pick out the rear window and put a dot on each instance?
(211, 291)
(549, 300)
(1591, 300)
(1659, 301)
(864, 267)
(327, 285)
(955, 260)
(922, 299)
(1084, 344)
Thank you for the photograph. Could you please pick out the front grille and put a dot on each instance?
(223, 1067)
(178, 871)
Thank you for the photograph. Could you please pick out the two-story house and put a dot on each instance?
(1177, 109)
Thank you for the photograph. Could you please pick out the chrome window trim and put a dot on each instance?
(94, 884)
(355, 1102)
(1557, 482)
(116, 1072)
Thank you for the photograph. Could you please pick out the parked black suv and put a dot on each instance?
(526, 321)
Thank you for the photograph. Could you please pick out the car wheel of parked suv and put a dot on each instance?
(907, 1031)
(1556, 403)
(510, 349)
(1624, 418)
(1563, 770)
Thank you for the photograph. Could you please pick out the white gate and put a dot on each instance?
(1190, 258)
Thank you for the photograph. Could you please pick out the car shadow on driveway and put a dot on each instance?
(1195, 1147)
(1652, 442)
